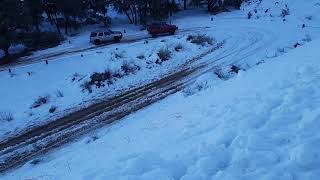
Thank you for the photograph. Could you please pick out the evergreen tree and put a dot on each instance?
(11, 18)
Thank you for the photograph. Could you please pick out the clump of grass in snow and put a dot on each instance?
(59, 94)
(6, 116)
(200, 39)
(307, 38)
(35, 162)
(98, 80)
(141, 56)
(129, 68)
(118, 55)
(40, 101)
(193, 89)
(164, 54)
(52, 109)
(285, 12)
(235, 69)
(178, 47)
(76, 76)
(221, 74)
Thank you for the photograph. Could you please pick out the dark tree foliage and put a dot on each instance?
(11, 18)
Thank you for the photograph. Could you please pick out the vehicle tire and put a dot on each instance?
(116, 39)
(172, 32)
(97, 42)
(154, 35)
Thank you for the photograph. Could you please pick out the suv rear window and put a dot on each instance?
(93, 35)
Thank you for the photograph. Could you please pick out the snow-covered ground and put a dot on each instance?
(69, 74)
(261, 124)
(255, 40)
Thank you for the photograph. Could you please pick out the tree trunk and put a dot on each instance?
(145, 13)
(210, 2)
(6, 52)
(185, 4)
(37, 24)
(171, 8)
(49, 17)
(66, 22)
(130, 20)
(55, 21)
(132, 15)
(135, 16)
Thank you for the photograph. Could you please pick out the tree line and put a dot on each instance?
(20, 19)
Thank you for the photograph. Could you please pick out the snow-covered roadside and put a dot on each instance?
(261, 124)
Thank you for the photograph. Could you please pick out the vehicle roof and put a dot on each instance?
(100, 30)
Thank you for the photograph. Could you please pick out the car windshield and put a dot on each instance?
(110, 31)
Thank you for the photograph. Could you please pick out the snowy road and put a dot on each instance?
(34, 142)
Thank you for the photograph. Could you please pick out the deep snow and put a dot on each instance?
(260, 124)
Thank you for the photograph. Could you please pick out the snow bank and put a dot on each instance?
(261, 124)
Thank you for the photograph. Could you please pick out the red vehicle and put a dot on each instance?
(161, 28)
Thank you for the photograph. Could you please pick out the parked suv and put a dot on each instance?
(99, 36)
(161, 28)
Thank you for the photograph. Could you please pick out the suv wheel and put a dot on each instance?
(172, 32)
(116, 39)
(97, 42)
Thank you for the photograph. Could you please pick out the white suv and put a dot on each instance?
(99, 36)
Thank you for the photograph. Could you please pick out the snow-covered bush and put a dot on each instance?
(6, 116)
(201, 83)
(235, 69)
(200, 39)
(86, 86)
(118, 55)
(178, 47)
(92, 139)
(59, 94)
(285, 11)
(307, 38)
(164, 54)
(221, 74)
(309, 18)
(97, 79)
(41, 101)
(141, 56)
(128, 68)
(52, 109)
(35, 161)
(196, 87)
(118, 74)
(76, 76)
